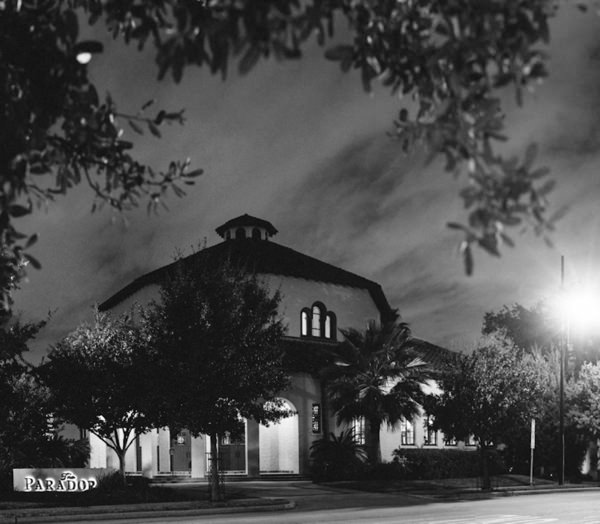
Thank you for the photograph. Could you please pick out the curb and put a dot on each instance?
(46, 515)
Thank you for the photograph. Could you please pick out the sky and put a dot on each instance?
(302, 145)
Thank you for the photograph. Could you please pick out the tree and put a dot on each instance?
(452, 59)
(528, 328)
(487, 395)
(583, 401)
(379, 378)
(96, 376)
(215, 344)
(26, 429)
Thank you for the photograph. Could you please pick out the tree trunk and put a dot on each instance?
(486, 484)
(215, 487)
(121, 456)
(372, 441)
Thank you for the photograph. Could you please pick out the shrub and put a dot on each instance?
(427, 464)
(337, 458)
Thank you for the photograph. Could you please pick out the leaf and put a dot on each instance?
(148, 104)
(18, 211)
(33, 261)
(31, 240)
(249, 60)
(467, 257)
(135, 127)
(153, 129)
(195, 173)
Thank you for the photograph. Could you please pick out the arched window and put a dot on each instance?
(256, 234)
(317, 320)
(304, 322)
(330, 325)
(228, 235)
(240, 233)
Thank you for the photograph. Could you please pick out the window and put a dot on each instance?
(358, 430)
(430, 435)
(256, 234)
(330, 327)
(316, 321)
(240, 233)
(470, 441)
(450, 442)
(407, 433)
(304, 321)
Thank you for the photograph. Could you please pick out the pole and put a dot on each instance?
(561, 478)
(532, 446)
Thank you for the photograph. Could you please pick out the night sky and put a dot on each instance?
(300, 144)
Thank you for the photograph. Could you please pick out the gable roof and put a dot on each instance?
(264, 257)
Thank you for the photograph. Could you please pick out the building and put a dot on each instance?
(317, 299)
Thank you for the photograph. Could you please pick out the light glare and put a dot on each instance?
(84, 57)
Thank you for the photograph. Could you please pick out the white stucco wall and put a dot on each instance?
(353, 307)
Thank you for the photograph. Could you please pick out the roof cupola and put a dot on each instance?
(246, 226)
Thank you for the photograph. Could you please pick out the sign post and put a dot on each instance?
(532, 446)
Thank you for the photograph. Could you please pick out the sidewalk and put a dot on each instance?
(154, 510)
(272, 495)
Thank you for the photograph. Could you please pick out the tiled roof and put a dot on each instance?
(266, 257)
(304, 354)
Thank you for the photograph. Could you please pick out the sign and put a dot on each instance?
(316, 418)
(532, 433)
(60, 480)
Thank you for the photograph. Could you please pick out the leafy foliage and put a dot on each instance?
(215, 340)
(417, 464)
(378, 377)
(450, 59)
(528, 328)
(486, 394)
(97, 380)
(583, 400)
(26, 431)
(337, 457)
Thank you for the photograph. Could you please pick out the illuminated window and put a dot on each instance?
(470, 441)
(330, 327)
(304, 322)
(430, 435)
(450, 442)
(407, 433)
(358, 430)
(316, 321)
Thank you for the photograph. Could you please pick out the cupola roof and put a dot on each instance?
(246, 226)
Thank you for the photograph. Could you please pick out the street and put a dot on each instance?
(321, 505)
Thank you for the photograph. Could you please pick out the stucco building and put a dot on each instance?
(317, 299)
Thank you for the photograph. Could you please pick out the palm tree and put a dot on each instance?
(379, 378)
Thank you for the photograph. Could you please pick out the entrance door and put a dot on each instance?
(233, 454)
(279, 445)
(181, 452)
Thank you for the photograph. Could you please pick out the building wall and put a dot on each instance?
(353, 307)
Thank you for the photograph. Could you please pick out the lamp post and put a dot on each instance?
(561, 409)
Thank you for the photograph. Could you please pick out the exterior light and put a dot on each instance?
(84, 58)
(84, 50)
